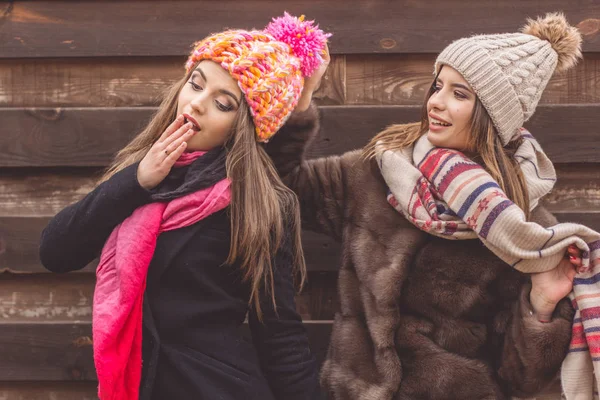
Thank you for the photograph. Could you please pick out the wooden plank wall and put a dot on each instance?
(79, 78)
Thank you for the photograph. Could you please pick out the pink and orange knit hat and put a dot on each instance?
(269, 66)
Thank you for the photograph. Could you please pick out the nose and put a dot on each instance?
(198, 103)
(436, 101)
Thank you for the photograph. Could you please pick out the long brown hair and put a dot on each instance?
(262, 208)
(484, 146)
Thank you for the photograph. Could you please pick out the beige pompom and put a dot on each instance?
(564, 38)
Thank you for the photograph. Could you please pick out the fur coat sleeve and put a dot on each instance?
(532, 351)
(319, 183)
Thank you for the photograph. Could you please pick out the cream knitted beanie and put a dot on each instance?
(509, 72)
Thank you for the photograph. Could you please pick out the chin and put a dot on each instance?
(434, 139)
(198, 143)
(198, 148)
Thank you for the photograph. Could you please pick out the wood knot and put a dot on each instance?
(387, 43)
(76, 373)
(46, 114)
(8, 10)
(589, 26)
(82, 341)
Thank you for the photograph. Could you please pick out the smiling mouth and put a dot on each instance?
(438, 122)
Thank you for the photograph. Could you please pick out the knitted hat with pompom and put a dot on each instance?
(509, 72)
(269, 65)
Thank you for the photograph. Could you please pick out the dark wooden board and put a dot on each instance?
(88, 137)
(63, 351)
(167, 28)
(56, 298)
(19, 242)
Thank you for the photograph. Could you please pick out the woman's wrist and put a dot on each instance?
(304, 101)
(541, 307)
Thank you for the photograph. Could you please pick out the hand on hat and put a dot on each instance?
(311, 83)
(157, 163)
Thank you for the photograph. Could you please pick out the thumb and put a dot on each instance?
(570, 272)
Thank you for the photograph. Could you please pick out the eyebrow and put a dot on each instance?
(224, 91)
(461, 86)
(457, 85)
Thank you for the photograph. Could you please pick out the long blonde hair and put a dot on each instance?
(484, 146)
(261, 208)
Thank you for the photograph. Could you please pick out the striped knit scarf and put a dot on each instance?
(444, 193)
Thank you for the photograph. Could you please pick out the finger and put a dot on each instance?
(175, 135)
(571, 272)
(576, 261)
(172, 128)
(174, 156)
(181, 139)
(574, 252)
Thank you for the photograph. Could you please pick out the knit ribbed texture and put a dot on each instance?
(268, 75)
(269, 66)
(508, 72)
(446, 194)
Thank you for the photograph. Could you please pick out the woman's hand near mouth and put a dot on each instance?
(161, 157)
(189, 118)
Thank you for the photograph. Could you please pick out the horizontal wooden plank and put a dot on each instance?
(19, 245)
(48, 390)
(114, 82)
(319, 299)
(19, 241)
(589, 219)
(28, 198)
(162, 28)
(47, 298)
(89, 82)
(43, 192)
(87, 391)
(55, 137)
(46, 352)
(91, 136)
(366, 79)
(20, 236)
(403, 79)
(32, 192)
(68, 298)
(568, 133)
(63, 351)
(577, 189)
(56, 357)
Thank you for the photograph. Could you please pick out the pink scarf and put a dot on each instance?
(121, 282)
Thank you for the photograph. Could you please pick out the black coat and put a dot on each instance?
(194, 306)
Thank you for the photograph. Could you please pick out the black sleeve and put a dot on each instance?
(76, 235)
(281, 340)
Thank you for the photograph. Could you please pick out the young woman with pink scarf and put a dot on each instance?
(195, 231)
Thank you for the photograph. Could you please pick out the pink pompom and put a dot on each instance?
(306, 40)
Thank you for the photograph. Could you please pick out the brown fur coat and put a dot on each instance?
(421, 317)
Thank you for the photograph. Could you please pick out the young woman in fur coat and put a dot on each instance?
(424, 317)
